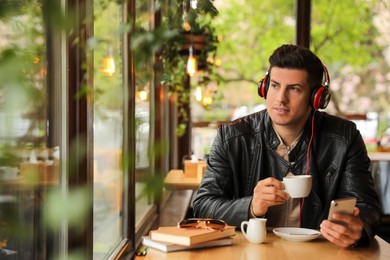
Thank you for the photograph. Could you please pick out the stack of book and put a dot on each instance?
(170, 239)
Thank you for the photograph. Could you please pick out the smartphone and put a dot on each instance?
(345, 206)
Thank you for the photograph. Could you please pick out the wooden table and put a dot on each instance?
(176, 180)
(276, 248)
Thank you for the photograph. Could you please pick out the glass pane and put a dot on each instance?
(357, 57)
(144, 83)
(108, 128)
(241, 60)
(358, 60)
(28, 167)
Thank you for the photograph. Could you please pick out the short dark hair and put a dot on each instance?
(296, 57)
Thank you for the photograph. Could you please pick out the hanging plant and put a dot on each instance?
(193, 28)
(182, 26)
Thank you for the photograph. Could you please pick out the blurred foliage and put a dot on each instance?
(168, 40)
(250, 36)
(69, 208)
(23, 108)
(23, 72)
(10, 8)
(345, 38)
(200, 23)
(107, 89)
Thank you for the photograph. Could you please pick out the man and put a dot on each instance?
(251, 155)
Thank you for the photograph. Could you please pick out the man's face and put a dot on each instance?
(288, 97)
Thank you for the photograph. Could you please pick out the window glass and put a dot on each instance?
(354, 44)
(144, 83)
(28, 167)
(246, 39)
(108, 128)
(357, 57)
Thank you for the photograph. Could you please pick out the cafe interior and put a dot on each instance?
(108, 110)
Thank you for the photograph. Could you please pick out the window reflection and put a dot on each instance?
(27, 170)
(144, 80)
(108, 128)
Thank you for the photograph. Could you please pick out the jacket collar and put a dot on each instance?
(273, 139)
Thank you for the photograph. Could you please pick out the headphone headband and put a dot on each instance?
(326, 74)
(319, 98)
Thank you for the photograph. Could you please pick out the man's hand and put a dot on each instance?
(343, 235)
(268, 192)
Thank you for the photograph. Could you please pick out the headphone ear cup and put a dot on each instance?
(320, 97)
(263, 87)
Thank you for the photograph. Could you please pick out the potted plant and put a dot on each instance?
(181, 27)
(192, 28)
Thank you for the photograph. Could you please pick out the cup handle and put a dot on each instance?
(243, 224)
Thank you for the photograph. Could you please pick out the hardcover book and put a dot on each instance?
(171, 247)
(189, 237)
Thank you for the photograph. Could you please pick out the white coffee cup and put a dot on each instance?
(256, 230)
(297, 186)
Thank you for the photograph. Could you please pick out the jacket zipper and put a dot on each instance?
(327, 177)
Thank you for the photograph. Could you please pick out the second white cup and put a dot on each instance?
(297, 186)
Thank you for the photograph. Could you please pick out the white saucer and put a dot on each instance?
(296, 234)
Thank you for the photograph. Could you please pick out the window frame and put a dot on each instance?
(80, 118)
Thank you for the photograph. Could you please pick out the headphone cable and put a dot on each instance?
(307, 163)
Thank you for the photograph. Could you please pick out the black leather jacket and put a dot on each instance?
(243, 153)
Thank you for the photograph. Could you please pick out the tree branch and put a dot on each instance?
(239, 77)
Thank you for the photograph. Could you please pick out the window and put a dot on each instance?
(108, 129)
(144, 76)
(241, 61)
(30, 138)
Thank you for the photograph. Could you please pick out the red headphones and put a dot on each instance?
(320, 95)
